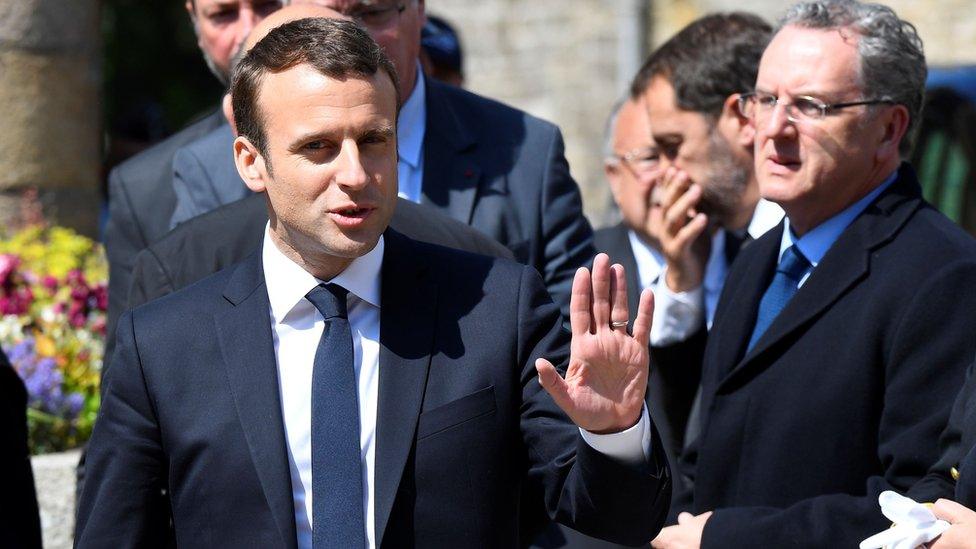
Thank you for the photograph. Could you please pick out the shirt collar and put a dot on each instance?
(766, 216)
(814, 244)
(288, 283)
(412, 123)
(650, 262)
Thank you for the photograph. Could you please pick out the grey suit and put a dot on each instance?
(205, 177)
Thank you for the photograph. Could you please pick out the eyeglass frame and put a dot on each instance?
(357, 16)
(823, 107)
(628, 159)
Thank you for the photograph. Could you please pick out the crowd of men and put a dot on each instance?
(357, 306)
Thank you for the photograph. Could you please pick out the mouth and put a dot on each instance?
(783, 163)
(351, 216)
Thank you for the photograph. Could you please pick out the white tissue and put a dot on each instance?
(915, 524)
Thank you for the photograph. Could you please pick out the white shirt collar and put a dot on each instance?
(650, 262)
(766, 216)
(412, 123)
(288, 283)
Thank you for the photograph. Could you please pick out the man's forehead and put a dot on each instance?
(798, 57)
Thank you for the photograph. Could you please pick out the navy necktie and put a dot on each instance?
(337, 473)
(792, 266)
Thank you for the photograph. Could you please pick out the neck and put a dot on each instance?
(747, 206)
(803, 222)
(321, 266)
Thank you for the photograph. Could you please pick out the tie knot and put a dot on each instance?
(793, 264)
(329, 299)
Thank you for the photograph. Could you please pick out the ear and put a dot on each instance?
(738, 127)
(893, 130)
(612, 173)
(227, 106)
(250, 165)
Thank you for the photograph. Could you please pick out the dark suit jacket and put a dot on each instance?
(503, 172)
(958, 447)
(20, 526)
(192, 404)
(844, 394)
(140, 204)
(205, 176)
(225, 236)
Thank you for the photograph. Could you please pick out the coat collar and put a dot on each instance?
(845, 264)
(244, 335)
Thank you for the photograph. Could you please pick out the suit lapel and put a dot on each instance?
(407, 324)
(451, 170)
(244, 334)
(846, 263)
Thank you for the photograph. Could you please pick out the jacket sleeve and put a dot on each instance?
(122, 503)
(124, 238)
(567, 239)
(581, 487)
(926, 355)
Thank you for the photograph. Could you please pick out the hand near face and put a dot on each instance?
(687, 534)
(684, 237)
(962, 530)
(603, 391)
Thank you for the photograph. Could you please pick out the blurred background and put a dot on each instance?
(84, 84)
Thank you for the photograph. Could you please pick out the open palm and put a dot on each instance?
(603, 391)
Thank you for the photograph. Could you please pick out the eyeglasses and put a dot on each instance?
(376, 14)
(638, 160)
(759, 105)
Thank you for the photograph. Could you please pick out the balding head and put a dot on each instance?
(293, 12)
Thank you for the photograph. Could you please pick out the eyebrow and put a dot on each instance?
(382, 130)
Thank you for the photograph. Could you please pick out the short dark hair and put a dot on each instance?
(336, 48)
(709, 60)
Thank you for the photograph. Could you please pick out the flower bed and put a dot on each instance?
(53, 301)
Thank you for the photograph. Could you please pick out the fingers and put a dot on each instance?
(618, 295)
(677, 215)
(645, 315)
(580, 317)
(601, 291)
(554, 384)
(950, 511)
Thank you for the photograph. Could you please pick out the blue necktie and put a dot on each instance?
(792, 266)
(337, 474)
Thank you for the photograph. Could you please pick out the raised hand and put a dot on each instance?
(603, 391)
(685, 241)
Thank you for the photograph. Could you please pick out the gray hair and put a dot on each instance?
(610, 128)
(892, 60)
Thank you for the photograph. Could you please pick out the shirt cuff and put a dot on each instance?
(677, 315)
(631, 446)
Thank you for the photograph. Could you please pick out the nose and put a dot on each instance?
(349, 167)
(777, 124)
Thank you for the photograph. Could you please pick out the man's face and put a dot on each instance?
(396, 31)
(222, 26)
(815, 168)
(691, 141)
(331, 163)
(635, 170)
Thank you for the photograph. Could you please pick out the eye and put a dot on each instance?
(222, 16)
(765, 100)
(266, 8)
(808, 106)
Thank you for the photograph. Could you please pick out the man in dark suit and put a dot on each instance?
(839, 333)
(406, 401)
(141, 199)
(493, 167)
(20, 526)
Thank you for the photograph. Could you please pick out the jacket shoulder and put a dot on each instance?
(488, 115)
(157, 159)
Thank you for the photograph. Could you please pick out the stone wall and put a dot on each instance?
(568, 60)
(49, 85)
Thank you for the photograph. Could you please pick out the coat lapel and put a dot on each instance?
(451, 170)
(846, 263)
(244, 334)
(407, 324)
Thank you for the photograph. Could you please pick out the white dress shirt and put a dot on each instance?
(677, 315)
(411, 128)
(297, 328)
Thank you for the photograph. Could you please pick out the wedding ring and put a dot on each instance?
(618, 324)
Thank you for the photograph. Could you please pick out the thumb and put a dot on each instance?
(554, 384)
(950, 511)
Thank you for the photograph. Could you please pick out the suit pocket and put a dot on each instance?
(456, 412)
